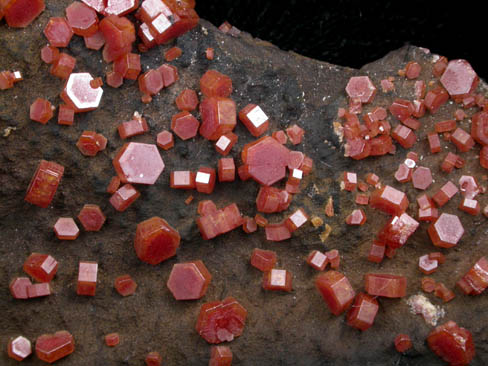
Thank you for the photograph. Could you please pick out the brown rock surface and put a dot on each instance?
(284, 329)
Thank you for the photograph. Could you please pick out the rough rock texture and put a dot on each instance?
(282, 328)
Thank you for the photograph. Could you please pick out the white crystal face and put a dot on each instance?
(352, 177)
(80, 92)
(297, 173)
(278, 277)
(470, 203)
(161, 23)
(146, 32)
(17, 75)
(223, 142)
(182, 178)
(298, 218)
(410, 163)
(257, 116)
(203, 178)
(318, 259)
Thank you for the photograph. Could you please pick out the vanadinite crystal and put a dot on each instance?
(184, 125)
(52, 347)
(218, 117)
(479, 127)
(182, 179)
(151, 82)
(377, 252)
(221, 321)
(389, 200)
(215, 222)
(220, 356)
(272, 199)
(422, 178)
(402, 343)
(264, 260)
(138, 163)
(446, 231)
(119, 34)
(155, 241)
(79, 94)
(363, 311)
(435, 98)
(459, 79)
(356, 217)
(41, 111)
(120, 7)
(153, 359)
(277, 232)
(66, 229)
(63, 66)
(112, 339)
(19, 348)
(266, 160)
(44, 183)
(87, 278)
(277, 280)
(475, 281)
(452, 343)
(205, 180)
(189, 281)
(82, 19)
(255, 120)
(386, 285)
(427, 265)
(20, 13)
(463, 140)
(66, 115)
(41, 267)
(361, 87)
(90, 143)
(215, 84)
(18, 287)
(295, 134)
(39, 290)
(317, 260)
(124, 197)
(91, 217)
(296, 220)
(404, 136)
(336, 291)
(227, 170)
(58, 32)
(125, 285)
(136, 126)
(187, 100)
(165, 140)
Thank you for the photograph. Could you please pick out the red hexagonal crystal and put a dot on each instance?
(277, 232)
(169, 73)
(79, 94)
(459, 79)
(138, 163)
(363, 311)
(52, 347)
(49, 54)
(434, 142)
(446, 231)
(446, 192)
(255, 120)
(221, 321)
(205, 180)
(120, 7)
(377, 252)
(124, 197)
(18, 287)
(19, 348)
(452, 343)
(215, 84)
(189, 281)
(182, 179)
(91, 217)
(41, 267)
(296, 220)
(66, 115)
(475, 281)
(151, 82)
(397, 231)
(277, 280)
(119, 34)
(249, 225)
(136, 126)
(266, 159)
(422, 178)
(385, 285)
(95, 41)
(66, 229)
(225, 143)
(271, 199)
(280, 136)
(41, 111)
(39, 290)
(20, 13)
(402, 343)
(184, 125)
(44, 183)
(361, 87)
(218, 117)
(389, 200)
(90, 143)
(295, 134)
(463, 140)
(403, 173)
(129, 66)
(227, 170)
(427, 265)
(165, 140)
(435, 98)
(356, 217)
(402, 109)
(220, 356)
(215, 222)
(153, 359)
(264, 260)
(404, 136)
(112, 339)
(58, 32)
(479, 127)
(155, 241)
(317, 260)
(443, 292)
(87, 278)
(125, 285)
(82, 19)
(336, 291)
(187, 100)
(470, 206)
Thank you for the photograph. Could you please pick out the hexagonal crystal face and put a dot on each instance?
(257, 116)
(80, 92)
(139, 163)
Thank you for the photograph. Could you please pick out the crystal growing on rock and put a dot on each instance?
(44, 183)
(79, 94)
(386, 285)
(336, 291)
(255, 120)
(363, 312)
(277, 280)
(264, 260)
(19, 348)
(452, 343)
(41, 267)
(87, 278)
(91, 217)
(52, 347)
(189, 281)
(66, 229)
(125, 285)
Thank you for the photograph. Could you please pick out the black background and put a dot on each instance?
(353, 33)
